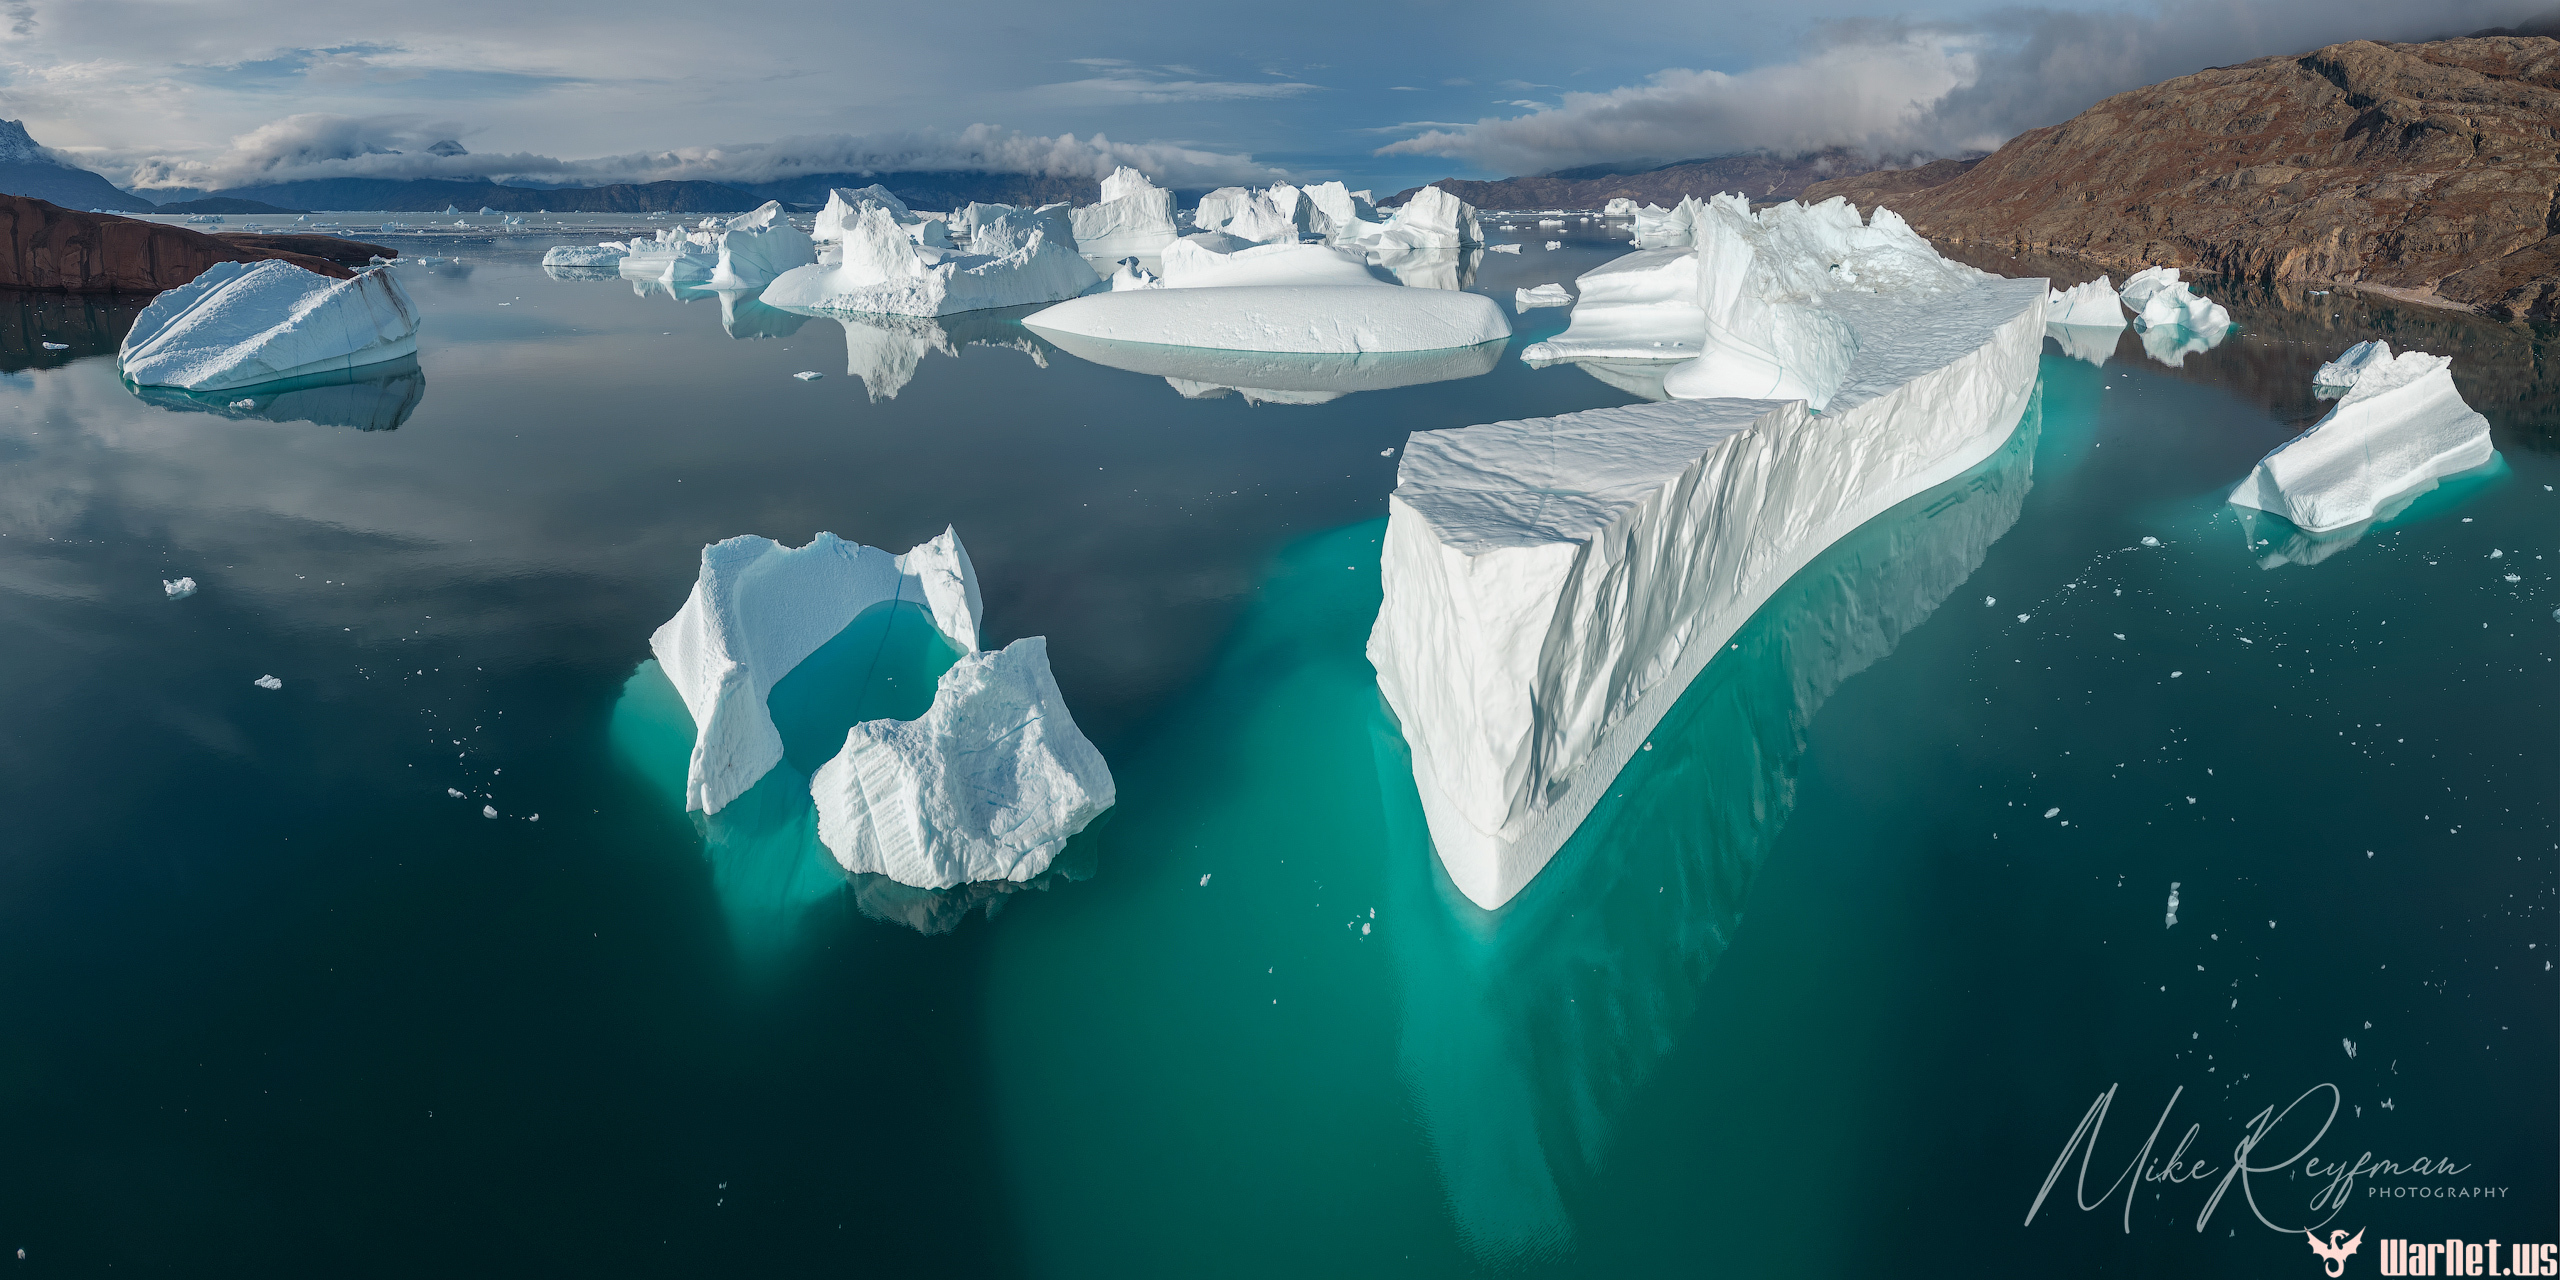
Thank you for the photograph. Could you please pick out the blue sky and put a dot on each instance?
(182, 92)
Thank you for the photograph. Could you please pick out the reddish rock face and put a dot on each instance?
(2426, 171)
(43, 246)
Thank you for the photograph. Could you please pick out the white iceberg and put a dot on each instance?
(1776, 290)
(1545, 295)
(1672, 228)
(1215, 259)
(1134, 216)
(753, 248)
(1553, 245)
(988, 785)
(1432, 219)
(1640, 306)
(759, 608)
(2160, 300)
(2401, 427)
(1502, 248)
(674, 255)
(975, 218)
(179, 588)
(607, 254)
(1310, 319)
(242, 323)
(2341, 373)
(2090, 304)
(882, 271)
(1618, 207)
(845, 205)
(1132, 276)
(1551, 586)
(268, 682)
(1341, 213)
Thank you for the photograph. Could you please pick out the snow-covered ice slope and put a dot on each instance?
(759, 608)
(883, 271)
(1313, 319)
(1641, 306)
(2402, 427)
(1214, 259)
(1552, 585)
(242, 323)
(756, 247)
(988, 785)
(845, 206)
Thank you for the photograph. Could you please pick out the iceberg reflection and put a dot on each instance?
(1265, 377)
(376, 397)
(742, 316)
(2171, 344)
(2090, 342)
(885, 351)
(2276, 542)
(1526, 1030)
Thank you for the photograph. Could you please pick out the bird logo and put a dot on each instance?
(2336, 1253)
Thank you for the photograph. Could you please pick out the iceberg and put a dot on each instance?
(177, 588)
(2160, 300)
(1432, 219)
(2401, 427)
(1341, 213)
(2092, 304)
(988, 785)
(1639, 306)
(1551, 585)
(674, 255)
(1134, 216)
(845, 205)
(1214, 259)
(240, 324)
(1309, 319)
(1672, 228)
(2340, 374)
(1132, 276)
(754, 248)
(1545, 295)
(606, 254)
(974, 219)
(1502, 248)
(1618, 207)
(883, 271)
(2171, 344)
(758, 608)
(1264, 377)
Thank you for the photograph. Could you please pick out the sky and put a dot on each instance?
(169, 93)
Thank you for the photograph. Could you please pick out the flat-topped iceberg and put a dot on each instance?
(1134, 216)
(883, 271)
(1545, 295)
(755, 247)
(1214, 259)
(759, 608)
(243, 323)
(2091, 304)
(2401, 427)
(1309, 319)
(988, 785)
(1552, 585)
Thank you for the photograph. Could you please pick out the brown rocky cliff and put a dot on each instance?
(44, 246)
(2425, 171)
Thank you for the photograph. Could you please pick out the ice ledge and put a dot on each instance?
(1552, 585)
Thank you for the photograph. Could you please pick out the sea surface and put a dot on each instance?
(1823, 988)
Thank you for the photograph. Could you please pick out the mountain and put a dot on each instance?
(431, 195)
(935, 189)
(28, 169)
(2422, 171)
(1761, 175)
(223, 204)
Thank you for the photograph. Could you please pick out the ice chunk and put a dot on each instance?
(2401, 427)
(1432, 219)
(1552, 585)
(1345, 214)
(845, 205)
(673, 256)
(1672, 228)
(57, 346)
(2340, 374)
(1502, 248)
(240, 324)
(178, 589)
(2093, 303)
(1220, 207)
(1618, 207)
(883, 271)
(1312, 319)
(605, 254)
(2160, 300)
(1132, 276)
(268, 682)
(1643, 305)
(988, 785)
(808, 375)
(1553, 245)
(756, 247)
(975, 219)
(2173, 904)
(1217, 260)
(1134, 216)
(758, 608)
(1545, 295)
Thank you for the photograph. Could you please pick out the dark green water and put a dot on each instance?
(1819, 990)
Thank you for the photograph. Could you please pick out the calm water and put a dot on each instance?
(1819, 990)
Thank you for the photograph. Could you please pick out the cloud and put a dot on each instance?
(1125, 83)
(1405, 88)
(1937, 88)
(316, 145)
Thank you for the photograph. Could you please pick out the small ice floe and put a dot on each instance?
(56, 346)
(2495, 553)
(2149, 541)
(2175, 674)
(2245, 640)
(2173, 905)
(2350, 1044)
(2052, 811)
(808, 375)
(179, 589)
(2022, 617)
(1988, 601)
(1502, 248)
(488, 811)
(268, 682)
(1204, 881)
(1553, 245)
(244, 403)
(451, 792)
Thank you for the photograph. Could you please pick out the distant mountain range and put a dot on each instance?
(1761, 175)
(27, 169)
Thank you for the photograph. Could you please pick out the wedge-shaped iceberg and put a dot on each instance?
(2401, 427)
(1545, 295)
(242, 323)
(2340, 374)
(1641, 306)
(1552, 585)
(1134, 216)
(758, 608)
(988, 785)
(2092, 304)
(1431, 219)
(1311, 319)
(883, 272)
(756, 247)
